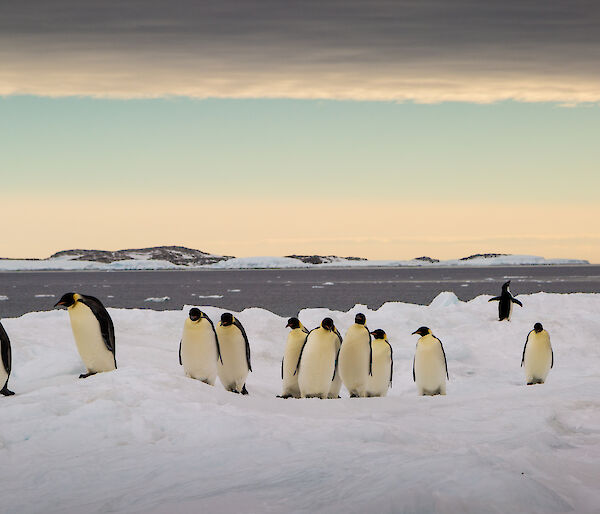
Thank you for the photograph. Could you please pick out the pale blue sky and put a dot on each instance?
(507, 151)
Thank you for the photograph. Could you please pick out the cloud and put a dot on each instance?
(423, 51)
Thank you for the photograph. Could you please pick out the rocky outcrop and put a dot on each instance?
(323, 259)
(179, 255)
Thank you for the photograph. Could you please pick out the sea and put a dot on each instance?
(285, 291)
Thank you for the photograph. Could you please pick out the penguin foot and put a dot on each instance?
(6, 391)
(85, 375)
(535, 381)
(284, 396)
(244, 390)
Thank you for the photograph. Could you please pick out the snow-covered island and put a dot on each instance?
(180, 257)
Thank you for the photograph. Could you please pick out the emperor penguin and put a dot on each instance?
(234, 365)
(538, 357)
(382, 367)
(506, 300)
(336, 383)
(199, 347)
(93, 331)
(316, 366)
(356, 357)
(5, 366)
(293, 346)
(430, 369)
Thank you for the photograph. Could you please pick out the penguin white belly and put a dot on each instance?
(91, 347)
(379, 382)
(318, 364)
(290, 360)
(199, 351)
(538, 357)
(354, 360)
(3, 375)
(234, 369)
(430, 370)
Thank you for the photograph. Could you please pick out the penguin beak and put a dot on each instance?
(59, 303)
(415, 332)
(288, 325)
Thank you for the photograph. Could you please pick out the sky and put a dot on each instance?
(373, 129)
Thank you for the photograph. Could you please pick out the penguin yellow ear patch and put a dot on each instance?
(76, 297)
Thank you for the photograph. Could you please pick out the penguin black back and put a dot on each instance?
(6, 352)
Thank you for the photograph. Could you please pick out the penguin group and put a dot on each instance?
(315, 362)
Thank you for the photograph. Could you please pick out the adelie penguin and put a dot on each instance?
(506, 300)
(199, 347)
(317, 363)
(234, 365)
(356, 357)
(430, 369)
(93, 331)
(538, 357)
(6, 363)
(293, 346)
(382, 368)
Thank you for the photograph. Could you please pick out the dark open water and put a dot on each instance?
(285, 291)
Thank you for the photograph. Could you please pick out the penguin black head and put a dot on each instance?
(538, 328)
(327, 324)
(422, 331)
(226, 319)
(505, 286)
(360, 318)
(293, 323)
(379, 334)
(67, 300)
(195, 314)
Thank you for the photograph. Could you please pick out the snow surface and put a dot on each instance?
(147, 439)
(67, 264)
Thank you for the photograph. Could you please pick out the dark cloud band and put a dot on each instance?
(423, 50)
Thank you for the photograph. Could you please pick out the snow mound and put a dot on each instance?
(158, 299)
(145, 438)
(444, 299)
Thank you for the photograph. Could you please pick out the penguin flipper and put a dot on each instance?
(552, 354)
(370, 353)
(241, 328)
(180, 363)
(514, 300)
(6, 351)
(414, 377)
(495, 299)
(107, 328)
(392, 363)
(525, 348)
(337, 357)
(5, 391)
(219, 357)
(300, 354)
(281, 369)
(445, 361)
